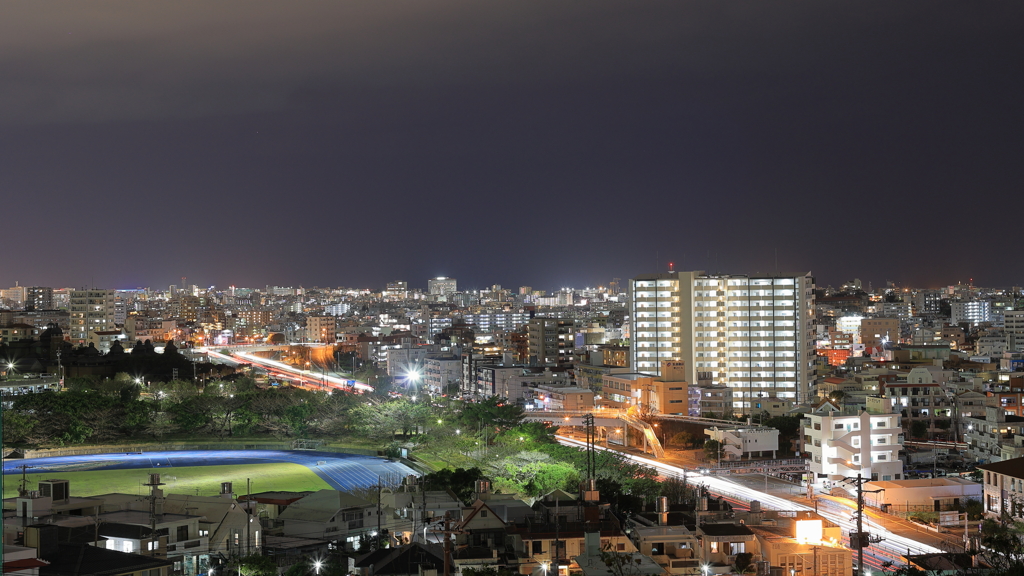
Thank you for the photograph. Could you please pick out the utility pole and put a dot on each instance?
(591, 432)
(558, 544)
(155, 493)
(861, 539)
(448, 530)
(380, 490)
(248, 517)
(447, 543)
(96, 530)
(23, 487)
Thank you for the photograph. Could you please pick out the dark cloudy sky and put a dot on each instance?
(543, 143)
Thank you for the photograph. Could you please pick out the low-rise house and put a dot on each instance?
(665, 394)
(821, 555)
(269, 505)
(83, 558)
(102, 340)
(1003, 484)
(286, 551)
(674, 548)
(196, 527)
(407, 512)
(920, 399)
(21, 561)
(970, 404)
(926, 494)
(592, 563)
(720, 543)
(331, 515)
(561, 398)
(745, 441)
(410, 560)
(86, 560)
(709, 400)
(996, 436)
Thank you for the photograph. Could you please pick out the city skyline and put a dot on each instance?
(518, 144)
(421, 284)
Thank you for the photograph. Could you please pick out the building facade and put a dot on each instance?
(844, 445)
(39, 298)
(752, 334)
(91, 311)
(551, 341)
(442, 285)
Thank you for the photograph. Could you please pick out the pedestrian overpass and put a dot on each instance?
(603, 421)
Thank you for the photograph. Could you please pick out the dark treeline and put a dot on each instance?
(92, 410)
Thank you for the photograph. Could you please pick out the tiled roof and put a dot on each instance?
(1013, 467)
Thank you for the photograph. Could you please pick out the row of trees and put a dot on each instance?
(120, 409)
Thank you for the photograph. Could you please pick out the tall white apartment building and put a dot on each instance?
(90, 311)
(845, 444)
(752, 334)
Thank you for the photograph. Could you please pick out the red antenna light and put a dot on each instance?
(670, 265)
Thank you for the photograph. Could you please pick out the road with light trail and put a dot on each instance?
(291, 373)
(891, 549)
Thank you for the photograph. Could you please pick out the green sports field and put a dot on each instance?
(201, 480)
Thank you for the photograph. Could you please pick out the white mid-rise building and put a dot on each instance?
(752, 334)
(846, 444)
(974, 311)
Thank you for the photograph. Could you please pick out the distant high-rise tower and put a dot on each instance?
(750, 333)
(442, 285)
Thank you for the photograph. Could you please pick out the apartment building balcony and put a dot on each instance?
(844, 462)
(653, 299)
(886, 445)
(845, 442)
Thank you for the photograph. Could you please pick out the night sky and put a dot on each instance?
(547, 143)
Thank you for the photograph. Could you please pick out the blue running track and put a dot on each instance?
(341, 471)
